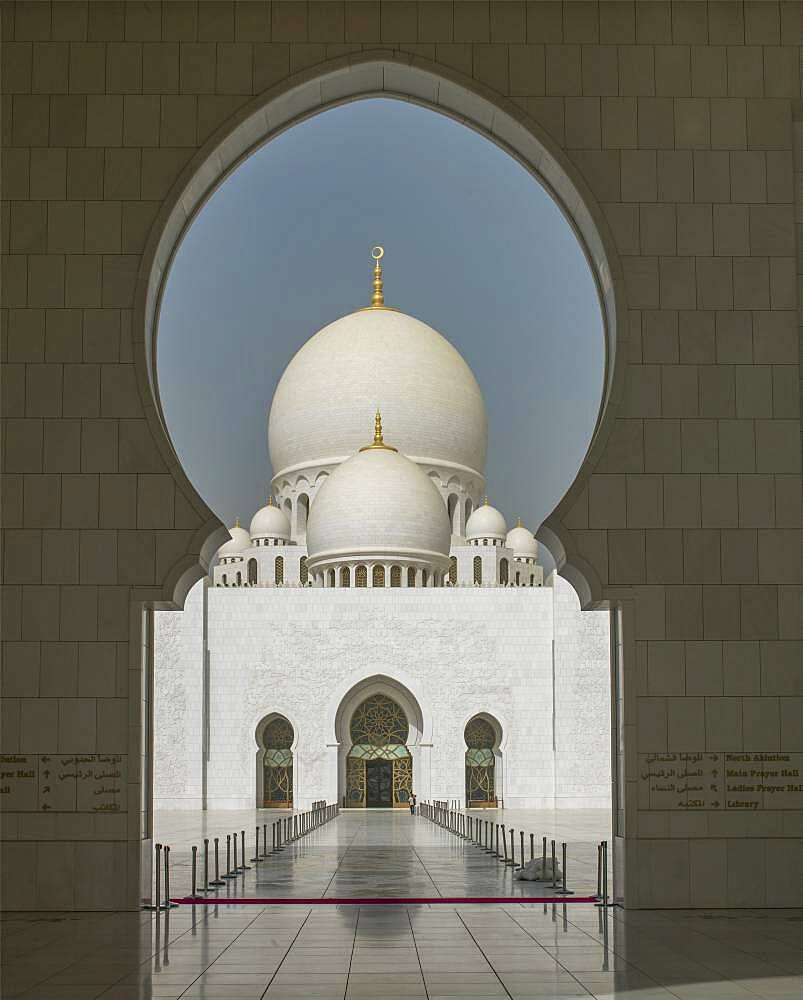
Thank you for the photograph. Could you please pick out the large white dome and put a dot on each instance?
(378, 505)
(522, 541)
(240, 541)
(270, 522)
(378, 357)
(486, 522)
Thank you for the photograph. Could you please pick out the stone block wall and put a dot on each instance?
(677, 120)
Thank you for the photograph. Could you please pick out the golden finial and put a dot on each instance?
(236, 522)
(379, 441)
(270, 499)
(518, 522)
(485, 502)
(378, 298)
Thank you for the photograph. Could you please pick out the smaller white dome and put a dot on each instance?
(239, 541)
(486, 522)
(522, 541)
(270, 522)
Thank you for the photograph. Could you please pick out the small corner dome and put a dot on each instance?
(486, 522)
(378, 505)
(239, 541)
(270, 522)
(522, 541)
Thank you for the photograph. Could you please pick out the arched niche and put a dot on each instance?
(483, 736)
(384, 687)
(349, 78)
(275, 728)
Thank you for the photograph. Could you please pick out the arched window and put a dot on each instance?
(469, 509)
(345, 576)
(252, 572)
(277, 780)
(278, 569)
(477, 569)
(452, 508)
(395, 576)
(330, 578)
(503, 571)
(481, 739)
(361, 577)
(453, 569)
(239, 579)
(225, 580)
(532, 579)
(410, 576)
(303, 572)
(302, 512)
(424, 578)
(518, 579)
(378, 576)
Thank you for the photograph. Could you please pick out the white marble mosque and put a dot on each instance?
(378, 630)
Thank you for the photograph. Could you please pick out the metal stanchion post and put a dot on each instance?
(194, 871)
(504, 843)
(244, 867)
(543, 859)
(256, 845)
(218, 880)
(512, 859)
(605, 872)
(168, 905)
(228, 872)
(521, 838)
(599, 871)
(563, 891)
(264, 840)
(554, 876)
(206, 865)
(156, 904)
(496, 850)
(532, 846)
(236, 868)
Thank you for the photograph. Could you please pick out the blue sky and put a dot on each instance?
(474, 247)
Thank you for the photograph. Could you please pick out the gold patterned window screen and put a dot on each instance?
(379, 731)
(452, 570)
(480, 738)
(302, 569)
(278, 764)
(361, 576)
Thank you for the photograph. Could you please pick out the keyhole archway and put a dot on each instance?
(297, 98)
(308, 94)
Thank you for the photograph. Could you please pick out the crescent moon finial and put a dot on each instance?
(378, 298)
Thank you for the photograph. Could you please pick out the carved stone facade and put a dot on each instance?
(443, 658)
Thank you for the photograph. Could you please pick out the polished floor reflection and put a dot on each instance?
(385, 853)
(240, 952)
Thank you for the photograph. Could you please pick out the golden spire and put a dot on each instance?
(379, 441)
(378, 298)
(485, 502)
(518, 522)
(270, 499)
(236, 522)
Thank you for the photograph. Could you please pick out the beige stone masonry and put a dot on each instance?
(676, 121)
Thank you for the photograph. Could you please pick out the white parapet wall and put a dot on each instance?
(526, 657)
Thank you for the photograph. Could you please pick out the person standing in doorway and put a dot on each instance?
(413, 801)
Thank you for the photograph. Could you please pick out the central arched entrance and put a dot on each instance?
(379, 767)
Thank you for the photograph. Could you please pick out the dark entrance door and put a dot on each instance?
(379, 783)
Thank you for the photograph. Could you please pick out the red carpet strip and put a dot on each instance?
(378, 900)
